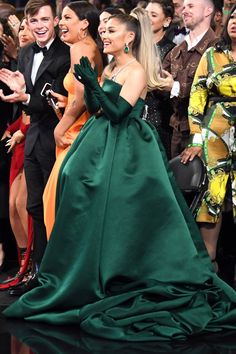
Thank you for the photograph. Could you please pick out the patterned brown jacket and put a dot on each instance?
(182, 64)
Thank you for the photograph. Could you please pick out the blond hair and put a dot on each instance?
(147, 52)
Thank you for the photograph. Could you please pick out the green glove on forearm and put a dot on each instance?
(88, 77)
(91, 101)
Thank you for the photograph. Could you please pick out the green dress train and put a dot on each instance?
(125, 259)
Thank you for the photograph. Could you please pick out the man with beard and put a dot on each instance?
(182, 62)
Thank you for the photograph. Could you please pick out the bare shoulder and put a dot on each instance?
(134, 83)
(83, 49)
(138, 70)
(107, 72)
(136, 73)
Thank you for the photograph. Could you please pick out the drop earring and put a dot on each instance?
(126, 48)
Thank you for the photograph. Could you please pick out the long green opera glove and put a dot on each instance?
(91, 101)
(88, 77)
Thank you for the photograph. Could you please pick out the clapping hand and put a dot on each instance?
(13, 79)
(16, 82)
(85, 73)
(14, 23)
(10, 46)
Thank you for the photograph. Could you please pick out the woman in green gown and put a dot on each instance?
(125, 260)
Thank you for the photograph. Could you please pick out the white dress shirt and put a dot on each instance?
(38, 58)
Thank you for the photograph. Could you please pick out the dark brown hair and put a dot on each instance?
(225, 40)
(85, 10)
(33, 6)
(167, 7)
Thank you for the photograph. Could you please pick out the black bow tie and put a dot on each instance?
(181, 30)
(37, 49)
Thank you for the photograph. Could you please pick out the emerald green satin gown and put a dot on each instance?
(125, 259)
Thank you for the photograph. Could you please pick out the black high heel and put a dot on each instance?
(28, 283)
(25, 268)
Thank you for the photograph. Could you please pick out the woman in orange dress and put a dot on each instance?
(78, 26)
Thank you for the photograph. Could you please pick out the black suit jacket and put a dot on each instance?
(53, 69)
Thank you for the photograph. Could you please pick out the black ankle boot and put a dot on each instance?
(24, 286)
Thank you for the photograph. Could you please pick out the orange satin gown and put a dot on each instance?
(49, 196)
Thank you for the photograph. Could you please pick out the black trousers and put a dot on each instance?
(38, 165)
(179, 142)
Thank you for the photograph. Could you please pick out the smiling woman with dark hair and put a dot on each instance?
(161, 14)
(78, 25)
(226, 41)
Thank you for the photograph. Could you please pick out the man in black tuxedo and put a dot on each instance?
(45, 61)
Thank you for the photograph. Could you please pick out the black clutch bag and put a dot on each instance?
(191, 179)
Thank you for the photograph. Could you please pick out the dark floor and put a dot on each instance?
(21, 337)
(17, 337)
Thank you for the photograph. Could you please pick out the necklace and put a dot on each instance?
(232, 55)
(113, 77)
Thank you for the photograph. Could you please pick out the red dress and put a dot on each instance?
(17, 161)
(17, 165)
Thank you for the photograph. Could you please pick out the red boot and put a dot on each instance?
(25, 262)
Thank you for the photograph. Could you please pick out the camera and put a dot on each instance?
(46, 92)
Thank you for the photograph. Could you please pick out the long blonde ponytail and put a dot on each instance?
(147, 53)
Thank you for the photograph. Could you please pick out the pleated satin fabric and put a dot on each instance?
(125, 260)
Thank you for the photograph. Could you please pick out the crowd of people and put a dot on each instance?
(98, 97)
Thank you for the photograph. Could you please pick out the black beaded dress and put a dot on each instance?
(158, 107)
